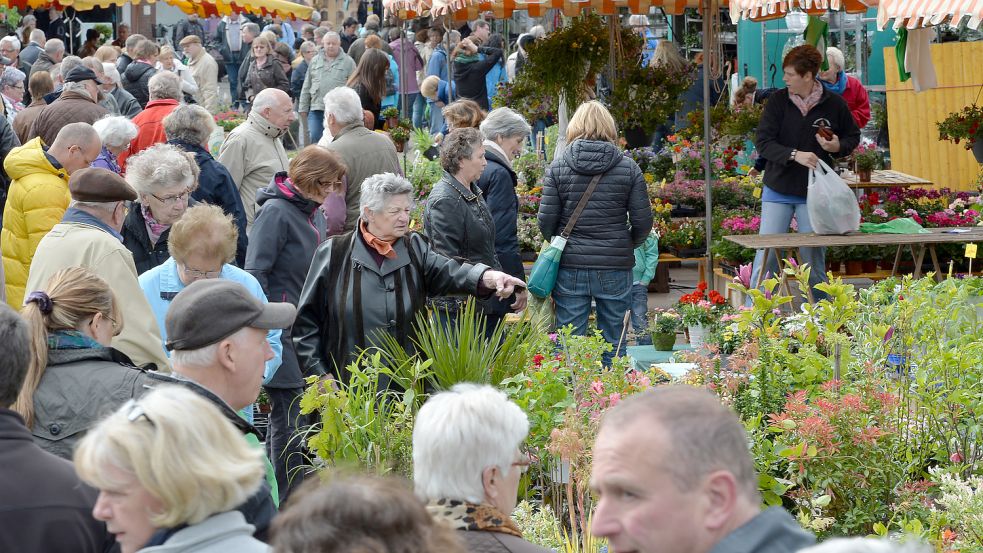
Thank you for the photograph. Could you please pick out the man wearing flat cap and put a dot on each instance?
(78, 103)
(216, 332)
(89, 236)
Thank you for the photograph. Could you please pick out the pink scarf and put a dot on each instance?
(154, 229)
(810, 101)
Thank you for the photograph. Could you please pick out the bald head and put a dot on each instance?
(275, 106)
(76, 146)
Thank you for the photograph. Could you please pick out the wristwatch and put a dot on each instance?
(792, 156)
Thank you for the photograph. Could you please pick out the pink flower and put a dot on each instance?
(597, 387)
(744, 275)
(880, 212)
(956, 457)
(613, 399)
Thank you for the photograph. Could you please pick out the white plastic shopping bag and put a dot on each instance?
(832, 205)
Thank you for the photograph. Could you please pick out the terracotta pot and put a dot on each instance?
(869, 265)
(832, 266)
(392, 122)
(864, 175)
(854, 267)
(663, 341)
(887, 264)
(400, 146)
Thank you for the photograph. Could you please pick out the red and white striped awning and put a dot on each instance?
(921, 13)
(471, 9)
(763, 10)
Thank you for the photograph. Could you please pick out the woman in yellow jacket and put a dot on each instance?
(38, 197)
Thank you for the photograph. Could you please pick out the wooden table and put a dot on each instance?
(918, 244)
(887, 179)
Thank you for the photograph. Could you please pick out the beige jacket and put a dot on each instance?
(205, 72)
(365, 153)
(253, 153)
(88, 246)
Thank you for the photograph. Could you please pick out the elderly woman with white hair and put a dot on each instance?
(116, 134)
(835, 79)
(373, 281)
(128, 105)
(171, 471)
(164, 177)
(12, 86)
(467, 463)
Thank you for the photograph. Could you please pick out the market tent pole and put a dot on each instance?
(707, 173)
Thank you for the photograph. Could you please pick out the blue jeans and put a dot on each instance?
(610, 289)
(232, 70)
(639, 314)
(436, 119)
(315, 125)
(419, 109)
(775, 219)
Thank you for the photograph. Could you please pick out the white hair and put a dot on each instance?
(37, 35)
(11, 76)
(378, 189)
(504, 123)
(835, 57)
(164, 85)
(638, 20)
(538, 31)
(343, 103)
(110, 71)
(159, 167)
(866, 545)
(266, 98)
(116, 132)
(12, 40)
(54, 46)
(460, 433)
(204, 357)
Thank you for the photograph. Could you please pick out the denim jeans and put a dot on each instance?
(775, 219)
(639, 314)
(418, 106)
(436, 119)
(610, 289)
(232, 70)
(285, 449)
(315, 125)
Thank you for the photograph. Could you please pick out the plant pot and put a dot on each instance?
(392, 122)
(637, 138)
(863, 175)
(887, 264)
(832, 266)
(663, 341)
(528, 255)
(400, 146)
(854, 267)
(696, 336)
(869, 265)
(978, 150)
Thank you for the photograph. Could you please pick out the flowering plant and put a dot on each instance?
(702, 308)
(229, 120)
(736, 224)
(949, 218)
(966, 124)
(664, 321)
(530, 237)
(867, 157)
(682, 234)
(661, 209)
(645, 96)
(529, 168)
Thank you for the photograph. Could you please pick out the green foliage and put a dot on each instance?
(422, 140)
(567, 60)
(423, 173)
(645, 97)
(965, 124)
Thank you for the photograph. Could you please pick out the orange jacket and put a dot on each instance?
(150, 123)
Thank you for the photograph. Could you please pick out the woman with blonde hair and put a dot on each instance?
(599, 255)
(107, 54)
(167, 60)
(171, 471)
(264, 72)
(74, 374)
(463, 114)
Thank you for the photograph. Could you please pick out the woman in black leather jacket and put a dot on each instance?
(600, 253)
(457, 219)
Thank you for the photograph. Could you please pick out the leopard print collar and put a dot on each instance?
(461, 515)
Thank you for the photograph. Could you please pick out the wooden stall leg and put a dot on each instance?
(919, 259)
(897, 260)
(935, 263)
(764, 266)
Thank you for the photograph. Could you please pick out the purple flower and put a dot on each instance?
(889, 334)
(744, 275)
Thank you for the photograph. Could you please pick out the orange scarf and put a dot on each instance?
(384, 248)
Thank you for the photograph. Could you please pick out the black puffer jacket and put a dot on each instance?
(136, 81)
(287, 230)
(618, 215)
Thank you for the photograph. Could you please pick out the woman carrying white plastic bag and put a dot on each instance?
(800, 125)
(833, 207)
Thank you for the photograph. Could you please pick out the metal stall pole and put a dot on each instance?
(707, 173)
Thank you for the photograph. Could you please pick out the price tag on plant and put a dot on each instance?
(971, 251)
(757, 193)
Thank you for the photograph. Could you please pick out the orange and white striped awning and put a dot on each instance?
(203, 8)
(764, 10)
(464, 10)
(921, 13)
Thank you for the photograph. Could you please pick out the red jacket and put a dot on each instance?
(856, 98)
(150, 125)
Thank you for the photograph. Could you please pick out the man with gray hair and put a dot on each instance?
(127, 104)
(89, 236)
(78, 103)
(165, 96)
(672, 470)
(54, 51)
(30, 53)
(364, 152)
(328, 70)
(254, 151)
(106, 100)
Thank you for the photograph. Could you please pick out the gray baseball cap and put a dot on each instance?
(211, 310)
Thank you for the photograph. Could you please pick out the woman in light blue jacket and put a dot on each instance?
(202, 245)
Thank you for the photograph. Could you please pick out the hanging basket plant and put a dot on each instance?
(963, 125)
(645, 97)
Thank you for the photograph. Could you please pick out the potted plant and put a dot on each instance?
(966, 124)
(644, 98)
(866, 158)
(699, 311)
(854, 260)
(663, 324)
(400, 134)
(391, 115)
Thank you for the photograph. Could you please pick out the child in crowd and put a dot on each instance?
(646, 260)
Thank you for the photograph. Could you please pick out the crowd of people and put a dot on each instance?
(161, 288)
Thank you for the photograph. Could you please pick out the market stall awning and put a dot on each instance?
(469, 9)
(204, 8)
(919, 13)
(763, 10)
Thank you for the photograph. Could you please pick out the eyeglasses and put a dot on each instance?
(116, 327)
(524, 461)
(196, 274)
(171, 200)
(134, 412)
(329, 185)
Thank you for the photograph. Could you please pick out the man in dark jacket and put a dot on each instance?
(189, 26)
(349, 33)
(54, 51)
(136, 78)
(126, 58)
(43, 504)
(692, 479)
(234, 47)
(222, 313)
(76, 104)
